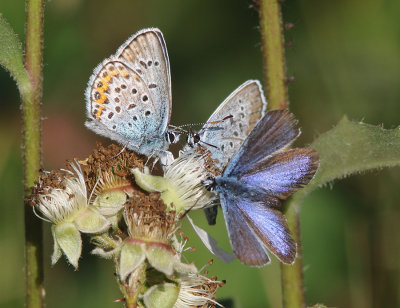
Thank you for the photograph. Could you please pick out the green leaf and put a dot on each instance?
(110, 203)
(161, 258)
(11, 55)
(69, 240)
(161, 296)
(351, 148)
(90, 221)
(132, 255)
(57, 252)
(150, 183)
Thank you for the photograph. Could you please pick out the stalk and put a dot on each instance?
(273, 54)
(31, 100)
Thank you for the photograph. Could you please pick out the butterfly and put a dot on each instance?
(245, 106)
(128, 97)
(251, 187)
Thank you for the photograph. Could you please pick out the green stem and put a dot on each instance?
(31, 99)
(273, 54)
(292, 275)
(275, 77)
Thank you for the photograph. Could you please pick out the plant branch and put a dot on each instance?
(31, 100)
(273, 54)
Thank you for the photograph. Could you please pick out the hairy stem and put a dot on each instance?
(273, 54)
(292, 275)
(31, 99)
(275, 77)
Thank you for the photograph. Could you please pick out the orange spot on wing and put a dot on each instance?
(102, 98)
(99, 112)
(105, 85)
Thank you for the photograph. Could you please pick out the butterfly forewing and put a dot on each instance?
(275, 131)
(246, 105)
(283, 173)
(245, 244)
(146, 53)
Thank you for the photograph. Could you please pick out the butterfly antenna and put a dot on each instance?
(202, 123)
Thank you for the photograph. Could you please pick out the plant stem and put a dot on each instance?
(275, 77)
(31, 99)
(273, 54)
(292, 275)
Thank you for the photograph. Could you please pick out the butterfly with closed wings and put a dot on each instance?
(128, 98)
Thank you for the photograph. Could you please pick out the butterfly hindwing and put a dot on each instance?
(245, 244)
(117, 103)
(271, 228)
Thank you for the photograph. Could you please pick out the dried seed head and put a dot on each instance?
(147, 218)
(111, 160)
(59, 195)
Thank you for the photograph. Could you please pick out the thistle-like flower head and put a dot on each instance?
(191, 290)
(61, 198)
(181, 185)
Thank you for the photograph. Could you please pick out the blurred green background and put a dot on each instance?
(345, 57)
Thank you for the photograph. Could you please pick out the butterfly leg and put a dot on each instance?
(120, 152)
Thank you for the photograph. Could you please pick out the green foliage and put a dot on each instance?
(11, 57)
(351, 148)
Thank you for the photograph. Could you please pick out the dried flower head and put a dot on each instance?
(61, 198)
(191, 290)
(150, 228)
(112, 160)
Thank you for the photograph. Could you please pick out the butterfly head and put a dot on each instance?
(192, 138)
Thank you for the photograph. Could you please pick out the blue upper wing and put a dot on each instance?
(270, 227)
(272, 133)
(245, 244)
(251, 226)
(283, 173)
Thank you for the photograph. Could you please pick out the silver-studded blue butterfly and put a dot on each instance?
(128, 98)
(246, 106)
(259, 176)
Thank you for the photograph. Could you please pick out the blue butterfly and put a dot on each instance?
(128, 98)
(259, 176)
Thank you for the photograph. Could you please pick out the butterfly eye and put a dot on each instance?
(196, 138)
